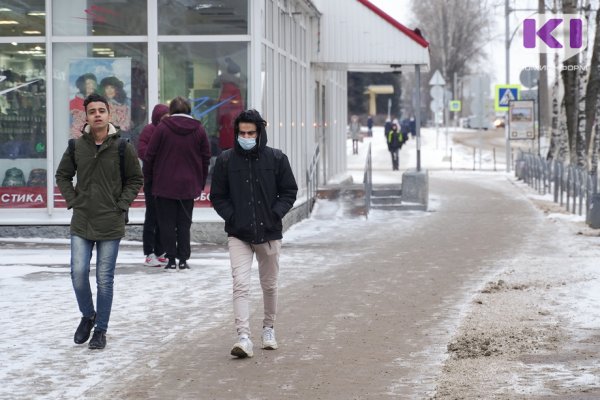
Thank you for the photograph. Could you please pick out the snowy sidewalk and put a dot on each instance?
(367, 307)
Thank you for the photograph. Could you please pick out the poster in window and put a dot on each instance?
(110, 77)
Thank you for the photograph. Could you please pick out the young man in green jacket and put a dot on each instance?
(100, 201)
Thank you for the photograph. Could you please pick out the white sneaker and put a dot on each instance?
(152, 261)
(163, 260)
(243, 348)
(268, 339)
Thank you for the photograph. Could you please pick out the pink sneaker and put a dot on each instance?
(162, 259)
(152, 261)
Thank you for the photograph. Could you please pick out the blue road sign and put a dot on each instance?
(504, 94)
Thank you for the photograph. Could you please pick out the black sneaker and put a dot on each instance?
(82, 334)
(98, 340)
(183, 265)
(171, 266)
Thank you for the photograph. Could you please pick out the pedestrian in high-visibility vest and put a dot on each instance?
(394, 141)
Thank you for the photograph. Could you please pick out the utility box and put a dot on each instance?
(593, 215)
(415, 187)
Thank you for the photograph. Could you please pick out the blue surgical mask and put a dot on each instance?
(247, 143)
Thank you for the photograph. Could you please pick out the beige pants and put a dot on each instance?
(241, 255)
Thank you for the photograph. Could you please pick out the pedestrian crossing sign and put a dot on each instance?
(455, 105)
(504, 94)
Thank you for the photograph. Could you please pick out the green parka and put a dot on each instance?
(99, 200)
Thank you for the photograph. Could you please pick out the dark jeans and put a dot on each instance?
(175, 220)
(106, 260)
(151, 233)
(395, 159)
(354, 146)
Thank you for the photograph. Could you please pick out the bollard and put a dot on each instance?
(593, 215)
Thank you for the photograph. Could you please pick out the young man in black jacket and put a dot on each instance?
(252, 189)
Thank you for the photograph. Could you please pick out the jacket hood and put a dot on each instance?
(158, 112)
(181, 124)
(261, 143)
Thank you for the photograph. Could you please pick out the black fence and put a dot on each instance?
(571, 186)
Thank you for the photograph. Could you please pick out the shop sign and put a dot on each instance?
(23, 197)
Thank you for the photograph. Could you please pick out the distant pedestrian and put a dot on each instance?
(155, 255)
(394, 142)
(100, 201)
(177, 162)
(412, 126)
(370, 125)
(355, 134)
(253, 187)
(387, 127)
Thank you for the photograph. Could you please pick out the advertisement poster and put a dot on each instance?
(110, 77)
(521, 119)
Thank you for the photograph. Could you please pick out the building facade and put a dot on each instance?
(224, 55)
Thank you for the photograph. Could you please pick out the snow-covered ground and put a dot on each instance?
(39, 312)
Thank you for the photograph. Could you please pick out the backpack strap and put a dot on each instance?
(225, 157)
(122, 145)
(278, 155)
(72, 152)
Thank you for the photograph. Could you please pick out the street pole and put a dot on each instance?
(539, 118)
(455, 97)
(507, 66)
(418, 116)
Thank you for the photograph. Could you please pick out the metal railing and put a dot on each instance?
(312, 181)
(570, 185)
(368, 180)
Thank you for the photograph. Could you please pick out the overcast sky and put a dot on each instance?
(519, 59)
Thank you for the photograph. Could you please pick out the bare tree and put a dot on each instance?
(580, 154)
(457, 32)
(571, 95)
(555, 137)
(593, 85)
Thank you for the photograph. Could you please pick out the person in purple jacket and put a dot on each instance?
(153, 248)
(176, 161)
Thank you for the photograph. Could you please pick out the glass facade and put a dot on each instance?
(22, 18)
(99, 18)
(209, 17)
(118, 71)
(139, 57)
(214, 76)
(23, 137)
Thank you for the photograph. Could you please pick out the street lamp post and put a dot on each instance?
(507, 65)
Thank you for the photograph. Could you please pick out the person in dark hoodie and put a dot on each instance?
(153, 248)
(252, 189)
(176, 161)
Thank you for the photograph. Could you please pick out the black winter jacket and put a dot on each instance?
(252, 191)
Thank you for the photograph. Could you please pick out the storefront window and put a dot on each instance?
(115, 70)
(22, 18)
(214, 77)
(99, 18)
(207, 17)
(22, 125)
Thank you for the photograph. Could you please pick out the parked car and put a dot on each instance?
(477, 123)
(499, 122)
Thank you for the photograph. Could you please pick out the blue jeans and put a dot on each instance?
(106, 259)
